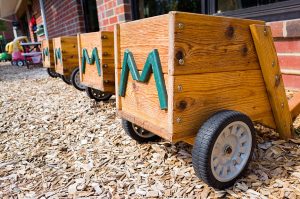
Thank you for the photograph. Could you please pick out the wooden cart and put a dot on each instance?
(48, 57)
(96, 61)
(203, 80)
(66, 59)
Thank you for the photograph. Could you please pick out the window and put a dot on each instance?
(150, 8)
(268, 10)
(226, 5)
(90, 15)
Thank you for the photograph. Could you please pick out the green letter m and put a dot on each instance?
(45, 52)
(94, 58)
(152, 64)
(57, 55)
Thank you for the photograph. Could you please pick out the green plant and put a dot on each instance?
(2, 25)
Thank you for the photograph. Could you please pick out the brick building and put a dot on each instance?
(69, 17)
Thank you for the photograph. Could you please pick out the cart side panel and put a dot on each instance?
(141, 106)
(58, 61)
(91, 76)
(69, 52)
(101, 43)
(47, 53)
(142, 36)
(202, 95)
(212, 44)
(145, 40)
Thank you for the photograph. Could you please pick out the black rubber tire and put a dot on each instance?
(66, 79)
(73, 76)
(128, 127)
(205, 140)
(20, 63)
(51, 72)
(14, 63)
(93, 94)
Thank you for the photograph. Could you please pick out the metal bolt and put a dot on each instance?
(180, 25)
(178, 120)
(277, 80)
(265, 31)
(282, 105)
(105, 53)
(106, 81)
(103, 37)
(105, 65)
(179, 87)
(181, 61)
(273, 63)
(234, 162)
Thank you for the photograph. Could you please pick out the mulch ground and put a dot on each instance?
(55, 142)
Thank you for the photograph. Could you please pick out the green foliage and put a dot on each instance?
(2, 25)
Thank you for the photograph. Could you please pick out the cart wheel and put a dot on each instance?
(223, 148)
(14, 63)
(20, 63)
(138, 133)
(66, 79)
(97, 95)
(51, 72)
(75, 80)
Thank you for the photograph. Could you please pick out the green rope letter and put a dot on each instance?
(152, 65)
(94, 58)
(57, 55)
(45, 53)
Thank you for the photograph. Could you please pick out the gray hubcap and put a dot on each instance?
(231, 151)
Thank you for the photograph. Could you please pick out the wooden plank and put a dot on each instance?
(58, 64)
(69, 53)
(212, 44)
(142, 103)
(198, 96)
(266, 52)
(48, 60)
(103, 41)
(144, 35)
(117, 65)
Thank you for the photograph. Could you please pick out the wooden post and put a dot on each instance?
(268, 60)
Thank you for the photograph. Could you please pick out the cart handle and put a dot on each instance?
(294, 105)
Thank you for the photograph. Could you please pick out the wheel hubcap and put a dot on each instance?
(142, 132)
(77, 81)
(231, 151)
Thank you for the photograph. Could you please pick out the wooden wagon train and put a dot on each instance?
(96, 61)
(202, 80)
(48, 57)
(65, 51)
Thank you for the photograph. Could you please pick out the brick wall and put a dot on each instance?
(63, 17)
(287, 43)
(111, 12)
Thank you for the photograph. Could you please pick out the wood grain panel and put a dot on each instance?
(69, 52)
(104, 42)
(48, 62)
(202, 95)
(144, 35)
(212, 44)
(141, 102)
(265, 48)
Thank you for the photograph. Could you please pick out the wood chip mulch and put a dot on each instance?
(57, 143)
